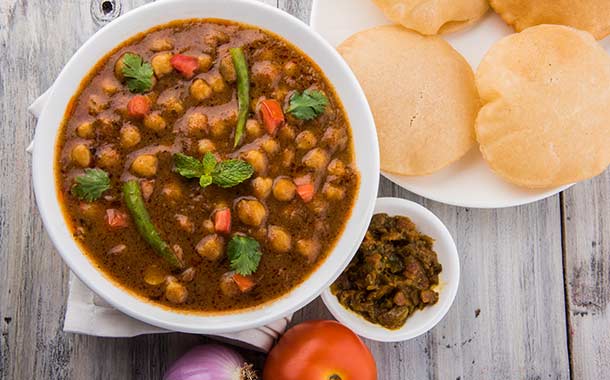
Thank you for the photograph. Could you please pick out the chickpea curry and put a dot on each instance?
(206, 166)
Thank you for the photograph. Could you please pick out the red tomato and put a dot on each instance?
(116, 218)
(138, 106)
(272, 115)
(222, 221)
(306, 191)
(320, 350)
(244, 283)
(185, 64)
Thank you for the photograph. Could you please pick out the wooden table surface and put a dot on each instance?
(533, 299)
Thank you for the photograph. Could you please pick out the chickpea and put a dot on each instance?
(119, 65)
(251, 212)
(218, 84)
(253, 129)
(145, 165)
(90, 210)
(147, 187)
(219, 128)
(155, 122)
(262, 187)
(172, 191)
(130, 136)
(317, 206)
(161, 64)
(175, 292)
(154, 275)
(306, 140)
(280, 93)
(204, 146)
(270, 146)
(316, 159)
(174, 105)
(197, 123)
(96, 104)
(279, 239)
(184, 222)
(284, 189)
(286, 133)
(335, 138)
(161, 44)
(258, 161)
(291, 69)
(336, 167)
(200, 90)
(288, 157)
(208, 226)
(81, 155)
(308, 248)
(332, 192)
(109, 87)
(211, 247)
(85, 130)
(227, 69)
(205, 62)
(108, 157)
(228, 287)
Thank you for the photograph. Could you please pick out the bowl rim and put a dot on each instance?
(451, 266)
(243, 11)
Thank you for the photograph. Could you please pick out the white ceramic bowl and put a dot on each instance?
(422, 320)
(250, 12)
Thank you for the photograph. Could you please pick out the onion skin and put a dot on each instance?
(210, 362)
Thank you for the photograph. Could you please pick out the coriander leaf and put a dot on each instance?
(244, 253)
(188, 166)
(308, 105)
(231, 173)
(209, 163)
(205, 180)
(138, 73)
(91, 185)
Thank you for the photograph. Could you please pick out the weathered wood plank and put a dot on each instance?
(587, 263)
(511, 259)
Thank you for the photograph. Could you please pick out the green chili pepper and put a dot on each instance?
(135, 205)
(243, 91)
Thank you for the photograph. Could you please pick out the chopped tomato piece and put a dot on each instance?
(185, 64)
(222, 221)
(244, 283)
(138, 106)
(272, 115)
(306, 191)
(116, 218)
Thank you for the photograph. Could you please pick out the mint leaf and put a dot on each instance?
(188, 166)
(91, 185)
(231, 173)
(205, 181)
(209, 163)
(138, 73)
(308, 105)
(244, 254)
(224, 174)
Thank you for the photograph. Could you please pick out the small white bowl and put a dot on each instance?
(422, 320)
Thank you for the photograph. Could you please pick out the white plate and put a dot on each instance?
(422, 320)
(468, 182)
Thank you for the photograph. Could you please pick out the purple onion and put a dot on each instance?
(210, 362)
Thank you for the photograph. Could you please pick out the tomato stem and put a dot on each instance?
(334, 377)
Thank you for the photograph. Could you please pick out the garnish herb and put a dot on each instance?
(307, 105)
(91, 185)
(244, 253)
(225, 174)
(243, 91)
(138, 73)
(137, 209)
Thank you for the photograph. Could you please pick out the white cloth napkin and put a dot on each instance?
(87, 313)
